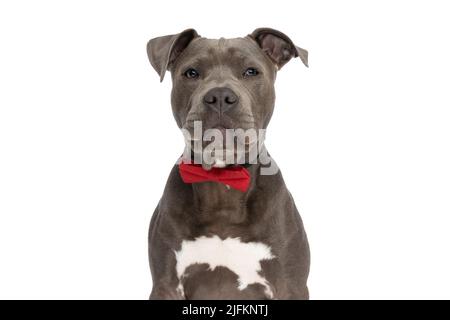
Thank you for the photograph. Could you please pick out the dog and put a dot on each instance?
(226, 230)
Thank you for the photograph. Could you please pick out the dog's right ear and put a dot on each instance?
(162, 51)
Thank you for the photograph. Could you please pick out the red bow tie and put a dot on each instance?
(236, 177)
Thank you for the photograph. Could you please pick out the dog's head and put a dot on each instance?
(224, 83)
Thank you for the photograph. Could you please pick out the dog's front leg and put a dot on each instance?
(165, 291)
(166, 285)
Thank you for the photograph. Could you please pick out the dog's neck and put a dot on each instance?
(217, 202)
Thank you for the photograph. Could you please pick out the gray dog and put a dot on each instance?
(207, 240)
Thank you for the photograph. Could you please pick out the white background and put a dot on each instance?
(87, 140)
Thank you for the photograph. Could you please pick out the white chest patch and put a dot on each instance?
(242, 258)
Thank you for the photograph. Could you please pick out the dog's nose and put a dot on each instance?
(220, 99)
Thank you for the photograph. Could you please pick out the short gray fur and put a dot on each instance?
(266, 213)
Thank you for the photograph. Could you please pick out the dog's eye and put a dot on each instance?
(191, 73)
(251, 72)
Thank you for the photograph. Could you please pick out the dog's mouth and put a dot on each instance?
(220, 146)
(220, 134)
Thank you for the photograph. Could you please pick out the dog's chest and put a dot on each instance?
(242, 258)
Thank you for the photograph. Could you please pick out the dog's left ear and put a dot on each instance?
(162, 51)
(278, 46)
